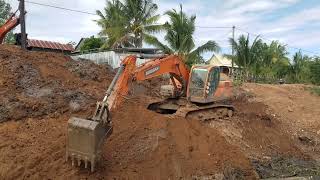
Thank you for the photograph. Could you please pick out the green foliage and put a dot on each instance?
(299, 69)
(267, 63)
(5, 9)
(179, 38)
(314, 90)
(315, 71)
(91, 43)
(246, 54)
(126, 23)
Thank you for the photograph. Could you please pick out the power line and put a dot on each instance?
(62, 8)
(285, 44)
(214, 27)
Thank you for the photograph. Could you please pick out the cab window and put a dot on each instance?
(198, 82)
(214, 77)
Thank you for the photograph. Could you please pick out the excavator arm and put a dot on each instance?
(10, 24)
(86, 136)
(171, 65)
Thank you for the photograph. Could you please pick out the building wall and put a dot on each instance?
(110, 57)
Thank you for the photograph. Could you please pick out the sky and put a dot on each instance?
(292, 22)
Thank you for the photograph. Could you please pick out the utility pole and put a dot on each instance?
(232, 60)
(23, 25)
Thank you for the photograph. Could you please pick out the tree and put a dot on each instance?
(5, 9)
(246, 55)
(299, 70)
(273, 62)
(126, 24)
(179, 38)
(315, 71)
(91, 43)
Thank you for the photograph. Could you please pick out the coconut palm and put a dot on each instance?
(179, 38)
(274, 62)
(246, 54)
(299, 69)
(125, 23)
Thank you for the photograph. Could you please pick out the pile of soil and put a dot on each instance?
(36, 84)
(42, 91)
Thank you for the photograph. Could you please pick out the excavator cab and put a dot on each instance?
(205, 85)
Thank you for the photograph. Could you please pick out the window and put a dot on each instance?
(198, 82)
(214, 77)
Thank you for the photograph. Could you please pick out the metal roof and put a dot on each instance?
(49, 45)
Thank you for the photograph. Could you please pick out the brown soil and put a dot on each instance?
(40, 91)
(297, 111)
(38, 84)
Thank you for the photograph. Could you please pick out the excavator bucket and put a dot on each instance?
(84, 141)
(85, 137)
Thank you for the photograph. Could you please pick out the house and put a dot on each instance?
(49, 46)
(223, 62)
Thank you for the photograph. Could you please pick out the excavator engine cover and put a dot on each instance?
(84, 140)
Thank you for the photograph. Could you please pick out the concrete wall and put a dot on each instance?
(110, 57)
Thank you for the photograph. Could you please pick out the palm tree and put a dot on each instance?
(273, 61)
(113, 23)
(298, 67)
(246, 55)
(125, 24)
(179, 37)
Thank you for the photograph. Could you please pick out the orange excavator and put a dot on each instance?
(197, 93)
(10, 24)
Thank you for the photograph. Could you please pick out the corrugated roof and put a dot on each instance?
(49, 45)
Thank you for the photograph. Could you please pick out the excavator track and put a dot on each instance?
(206, 113)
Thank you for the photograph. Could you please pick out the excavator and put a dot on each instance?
(10, 24)
(196, 93)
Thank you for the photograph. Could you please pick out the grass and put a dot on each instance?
(315, 90)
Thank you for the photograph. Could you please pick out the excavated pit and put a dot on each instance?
(163, 108)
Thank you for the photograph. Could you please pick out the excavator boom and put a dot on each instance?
(10, 24)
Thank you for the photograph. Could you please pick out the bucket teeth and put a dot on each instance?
(72, 160)
(86, 163)
(78, 158)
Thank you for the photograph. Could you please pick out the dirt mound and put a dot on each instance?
(43, 90)
(35, 84)
(296, 109)
(157, 146)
